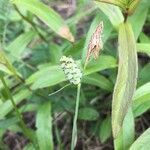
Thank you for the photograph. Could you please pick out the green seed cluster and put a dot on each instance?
(71, 70)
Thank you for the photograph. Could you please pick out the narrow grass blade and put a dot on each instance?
(126, 79)
(44, 127)
(17, 47)
(48, 16)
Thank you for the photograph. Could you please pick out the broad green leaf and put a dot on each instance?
(102, 63)
(105, 129)
(48, 16)
(143, 38)
(126, 137)
(7, 106)
(143, 48)
(137, 20)
(126, 78)
(142, 143)
(44, 127)
(16, 47)
(98, 80)
(48, 76)
(88, 114)
(141, 100)
(106, 32)
(29, 147)
(5, 123)
(112, 12)
(52, 75)
(113, 2)
(144, 74)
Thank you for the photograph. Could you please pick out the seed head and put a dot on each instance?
(71, 70)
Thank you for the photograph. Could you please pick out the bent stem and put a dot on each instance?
(74, 130)
(25, 130)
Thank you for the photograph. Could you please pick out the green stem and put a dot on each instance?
(74, 130)
(25, 130)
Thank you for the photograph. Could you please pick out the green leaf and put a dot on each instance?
(16, 47)
(87, 113)
(142, 143)
(105, 129)
(103, 62)
(98, 80)
(126, 137)
(47, 76)
(143, 48)
(5, 65)
(7, 106)
(144, 74)
(141, 100)
(48, 16)
(5, 123)
(126, 78)
(29, 147)
(44, 127)
(112, 12)
(138, 19)
(113, 2)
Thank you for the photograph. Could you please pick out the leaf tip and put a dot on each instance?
(65, 33)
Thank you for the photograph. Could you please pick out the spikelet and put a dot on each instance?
(71, 70)
(95, 44)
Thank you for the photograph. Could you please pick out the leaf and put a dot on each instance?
(48, 16)
(133, 6)
(126, 137)
(29, 147)
(144, 74)
(52, 75)
(112, 12)
(5, 123)
(87, 113)
(103, 62)
(113, 2)
(44, 127)
(143, 48)
(47, 76)
(16, 47)
(142, 143)
(107, 30)
(98, 80)
(126, 78)
(6, 66)
(105, 129)
(141, 100)
(138, 19)
(7, 106)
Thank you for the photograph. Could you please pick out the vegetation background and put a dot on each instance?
(34, 35)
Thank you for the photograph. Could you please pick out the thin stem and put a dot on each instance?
(25, 130)
(74, 130)
(31, 23)
(59, 90)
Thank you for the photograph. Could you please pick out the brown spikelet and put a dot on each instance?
(95, 43)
